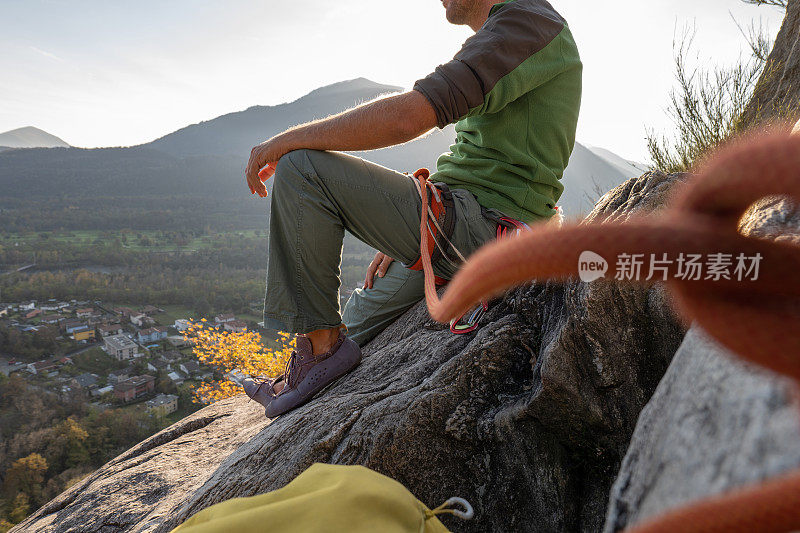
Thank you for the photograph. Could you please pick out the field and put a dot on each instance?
(135, 240)
(172, 313)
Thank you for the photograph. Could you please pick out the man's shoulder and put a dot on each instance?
(520, 28)
(529, 10)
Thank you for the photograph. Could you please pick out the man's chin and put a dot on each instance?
(454, 16)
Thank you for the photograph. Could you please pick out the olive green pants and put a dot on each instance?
(316, 196)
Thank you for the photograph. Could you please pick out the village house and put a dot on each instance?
(189, 368)
(222, 319)
(120, 375)
(141, 320)
(150, 310)
(124, 311)
(85, 381)
(236, 326)
(71, 324)
(162, 405)
(102, 390)
(52, 319)
(96, 319)
(106, 330)
(51, 305)
(151, 334)
(3, 311)
(72, 328)
(182, 324)
(157, 366)
(134, 387)
(171, 356)
(48, 365)
(178, 341)
(83, 334)
(7, 367)
(27, 306)
(121, 347)
(32, 314)
(84, 313)
(176, 377)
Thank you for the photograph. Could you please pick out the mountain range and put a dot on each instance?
(29, 137)
(207, 159)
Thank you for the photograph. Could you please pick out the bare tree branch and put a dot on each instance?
(776, 3)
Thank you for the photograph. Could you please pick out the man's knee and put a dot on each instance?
(290, 169)
(292, 162)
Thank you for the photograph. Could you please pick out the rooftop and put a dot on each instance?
(86, 380)
(120, 342)
(150, 331)
(133, 382)
(191, 366)
(122, 372)
(161, 399)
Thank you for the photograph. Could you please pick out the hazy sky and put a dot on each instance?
(112, 73)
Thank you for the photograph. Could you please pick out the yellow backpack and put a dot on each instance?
(327, 498)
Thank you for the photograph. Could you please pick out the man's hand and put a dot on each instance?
(266, 156)
(383, 122)
(379, 265)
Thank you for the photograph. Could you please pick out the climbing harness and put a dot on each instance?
(440, 210)
(468, 322)
(506, 227)
(757, 318)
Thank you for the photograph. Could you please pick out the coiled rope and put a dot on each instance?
(756, 316)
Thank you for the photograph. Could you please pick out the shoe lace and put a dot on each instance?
(288, 375)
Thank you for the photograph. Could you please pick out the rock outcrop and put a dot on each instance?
(528, 418)
(715, 422)
(777, 94)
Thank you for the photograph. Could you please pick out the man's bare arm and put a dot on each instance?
(384, 122)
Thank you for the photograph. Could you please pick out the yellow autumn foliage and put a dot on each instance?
(232, 352)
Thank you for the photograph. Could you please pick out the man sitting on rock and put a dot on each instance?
(513, 91)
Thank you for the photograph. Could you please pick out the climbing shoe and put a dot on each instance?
(305, 375)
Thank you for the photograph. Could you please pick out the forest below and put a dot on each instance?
(48, 442)
(207, 272)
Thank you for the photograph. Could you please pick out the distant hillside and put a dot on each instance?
(205, 159)
(236, 133)
(30, 137)
(620, 162)
(205, 162)
(591, 173)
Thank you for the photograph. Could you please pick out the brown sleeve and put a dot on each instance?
(512, 33)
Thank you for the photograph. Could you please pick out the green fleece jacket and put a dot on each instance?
(514, 92)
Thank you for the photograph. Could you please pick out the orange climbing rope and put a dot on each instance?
(426, 240)
(756, 315)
